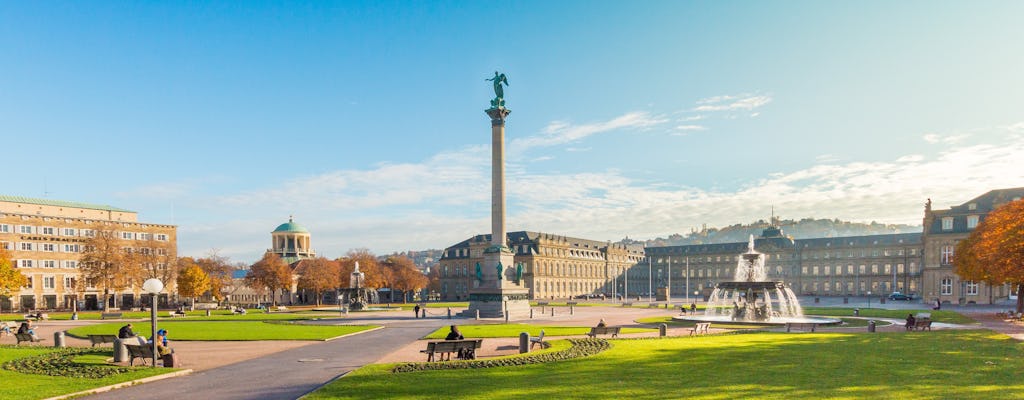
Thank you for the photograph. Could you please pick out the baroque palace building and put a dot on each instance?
(873, 265)
(45, 240)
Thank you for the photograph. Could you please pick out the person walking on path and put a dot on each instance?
(416, 310)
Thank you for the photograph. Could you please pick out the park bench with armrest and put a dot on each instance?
(538, 339)
(145, 352)
(177, 313)
(465, 349)
(111, 315)
(27, 337)
(700, 328)
(923, 324)
(604, 330)
(802, 326)
(101, 339)
(37, 315)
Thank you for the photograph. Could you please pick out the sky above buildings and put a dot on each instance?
(365, 120)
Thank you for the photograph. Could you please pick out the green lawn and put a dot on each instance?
(513, 330)
(928, 365)
(31, 386)
(951, 317)
(227, 331)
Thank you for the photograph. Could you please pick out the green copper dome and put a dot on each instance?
(291, 226)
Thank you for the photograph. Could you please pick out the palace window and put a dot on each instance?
(946, 257)
(161, 237)
(127, 235)
(24, 229)
(971, 287)
(48, 247)
(972, 221)
(947, 224)
(4, 228)
(49, 282)
(48, 230)
(69, 282)
(69, 232)
(49, 264)
(25, 263)
(946, 286)
(70, 264)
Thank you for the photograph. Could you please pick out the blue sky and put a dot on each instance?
(365, 120)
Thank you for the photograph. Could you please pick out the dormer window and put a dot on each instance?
(972, 206)
(947, 224)
(972, 221)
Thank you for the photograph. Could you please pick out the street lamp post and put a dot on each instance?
(668, 288)
(869, 299)
(153, 286)
(650, 287)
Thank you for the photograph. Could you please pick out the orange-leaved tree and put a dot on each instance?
(11, 280)
(319, 275)
(192, 281)
(994, 252)
(271, 273)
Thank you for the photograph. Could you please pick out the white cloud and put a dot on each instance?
(561, 132)
(732, 103)
(934, 138)
(690, 128)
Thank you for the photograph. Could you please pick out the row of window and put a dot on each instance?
(946, 287)
(862, 269)
(50, 282)
(972, 222)
(23, 263)
(74, 232)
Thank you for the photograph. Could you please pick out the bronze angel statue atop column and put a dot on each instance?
(499, 91)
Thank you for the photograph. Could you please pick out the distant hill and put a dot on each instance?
(806, 228)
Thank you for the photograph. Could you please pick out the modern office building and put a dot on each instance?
(45, 240)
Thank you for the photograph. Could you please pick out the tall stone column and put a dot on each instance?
(498, 292)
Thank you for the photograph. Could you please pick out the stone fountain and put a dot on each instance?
(751, 298)
(356, 295)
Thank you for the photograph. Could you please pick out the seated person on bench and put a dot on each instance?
(161, 343)
(454, 334)
(601, 324)
(125, 332)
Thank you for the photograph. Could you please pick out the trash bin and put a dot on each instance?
(871, 326)
(856, 312)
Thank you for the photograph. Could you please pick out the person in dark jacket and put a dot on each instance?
(454, 334)
(125, 332)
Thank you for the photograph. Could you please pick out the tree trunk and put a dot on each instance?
(317, 294)
(193, 306)
(1020, 297)
(273, 297)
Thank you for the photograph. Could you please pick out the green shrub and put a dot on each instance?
(61, 363)
(580, 348)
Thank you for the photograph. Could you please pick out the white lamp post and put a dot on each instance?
(153, 286)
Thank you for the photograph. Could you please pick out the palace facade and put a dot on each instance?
(874, 265)
(45, 240)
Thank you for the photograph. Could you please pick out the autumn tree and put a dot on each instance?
(106, 262)
(11, 280)
(319, 275)
(219, 269)
(271, 273)
(192, 282)
(994, 251)
(404, 275)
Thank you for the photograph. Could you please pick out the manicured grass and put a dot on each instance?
(227, 331)
(31, 386)
(951, 317)
(936, 365)
(513, 330)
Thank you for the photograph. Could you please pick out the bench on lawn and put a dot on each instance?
(923, 324)
(145, 352)
(27, 337)
(700, 328)
(177, 314)
(802, 326)
(464, 349)
(111, 315)
(537, 340)
(604, 330)
(37, 315)
(101, 339)
(627, 304)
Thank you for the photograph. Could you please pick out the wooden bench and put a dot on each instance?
(101, 339)
(604, 330)
(37, 315)
(27, 337)
(145, 352)
(175, 314)
(802, 326)
(538, 339)
(111, 315)
(465, 349)
(700, 328)
(923, 324)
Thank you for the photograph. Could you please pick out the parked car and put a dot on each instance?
(900, 296)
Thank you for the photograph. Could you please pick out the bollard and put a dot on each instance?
(207, 312)
(531, 313)
(506, 316)
(666, 306)
(871, 326)
(120, 351)
(552, 311)
(477, 314)
(449, 313)
(58, 339)
(572, 309)
(524, 342)
(663, 330)
(856, 312)
(424, 309)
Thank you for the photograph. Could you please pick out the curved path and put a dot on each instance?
(287, 374)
